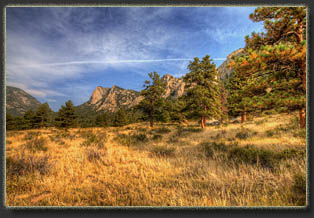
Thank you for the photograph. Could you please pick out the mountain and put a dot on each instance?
(174, 86)
(19, 101)
(111, 99)
(223, 69)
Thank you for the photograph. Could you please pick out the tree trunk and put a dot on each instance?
(243, 117)
(202, 122)
(302, 118)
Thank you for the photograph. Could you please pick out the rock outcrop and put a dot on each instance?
(174, 87)
(223, 69)
(111, 99)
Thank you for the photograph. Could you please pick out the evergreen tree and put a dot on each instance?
(203, 89)
(152, 105)
(120, 118)
(175, 109)
(66, 116)
(10, 122)
(102, 120)
(29, 120)
(223, 101)
(275, 61)
(42, 117)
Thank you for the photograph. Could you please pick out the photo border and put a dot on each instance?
(37, 211)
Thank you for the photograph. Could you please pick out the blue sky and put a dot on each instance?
(63, 53)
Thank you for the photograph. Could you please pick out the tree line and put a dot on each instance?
(269, 75)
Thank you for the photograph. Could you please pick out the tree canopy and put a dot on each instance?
(203, 93)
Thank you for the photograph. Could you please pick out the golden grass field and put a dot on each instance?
(168, 165)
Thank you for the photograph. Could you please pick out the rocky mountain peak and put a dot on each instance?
(97, 94)
(223, 69)
(174, 86)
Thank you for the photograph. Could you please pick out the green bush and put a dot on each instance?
(26, 165)
(298, 190)
(182, 132)
(162, 130)
(242, 135)
(157, 137)
(31, 135)
(95, 140)
(260, 122)
(131, 139)
(37, 144)
(252, 155)
(269, 133)
(93, 155)
(163, 151)
(211, 147)
(140, 137)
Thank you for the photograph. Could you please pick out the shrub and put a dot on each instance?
(37, 144)
(300, 133)
(93, 155)
(157, 137)
(242, 135)
(141, 129)
(95, 140)
(269, 133)
(131, 139)
(181, 131)
(162, 130)
(26, 165)
(291, 153)
(252, 155)
(260, 122)
(298, 190)
(124, 139)
(140, 137)
(210, 147)
(31, 135)
(163, 151)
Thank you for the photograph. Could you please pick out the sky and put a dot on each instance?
(63, 53)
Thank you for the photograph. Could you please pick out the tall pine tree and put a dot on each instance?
(203, 94)
(275, 61)
(42, 117)
(66, 116)
(152, 104)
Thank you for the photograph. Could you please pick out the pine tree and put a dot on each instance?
(102, 120)
(223, 101)
(152, 105)
(42, 117)
(203, 89)
(275, 61)
(120, 118)
(66, 116)
(29, 120)
(10, 122)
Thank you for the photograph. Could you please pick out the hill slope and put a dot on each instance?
(18, 101)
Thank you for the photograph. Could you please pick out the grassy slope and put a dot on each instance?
(138, 166)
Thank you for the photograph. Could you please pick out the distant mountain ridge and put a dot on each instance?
(18, 101)
(111, 99)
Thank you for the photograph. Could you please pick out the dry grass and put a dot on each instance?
(164, 166)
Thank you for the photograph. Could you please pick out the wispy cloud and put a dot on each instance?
(52, 51)
(108, 62)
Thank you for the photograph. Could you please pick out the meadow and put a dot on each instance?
(259, 163)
